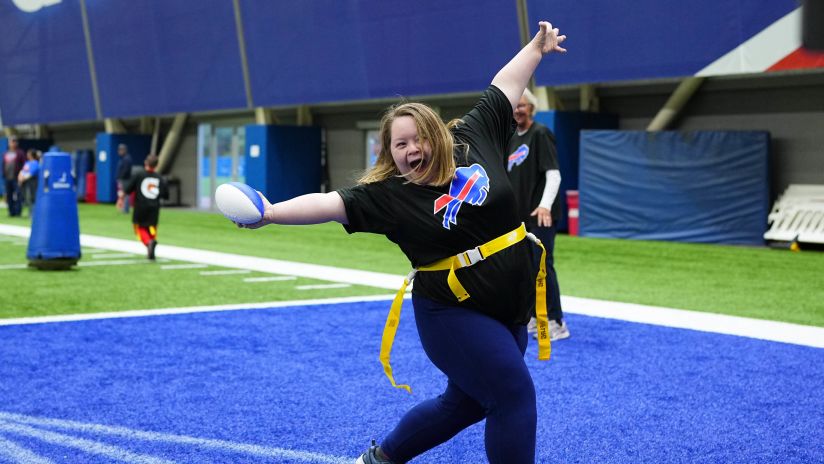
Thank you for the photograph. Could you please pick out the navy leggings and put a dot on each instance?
(488, 378)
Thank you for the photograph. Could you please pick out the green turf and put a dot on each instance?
(744, 281)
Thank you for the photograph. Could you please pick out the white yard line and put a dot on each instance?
(16, 453)
(320, 286)
(30, 426)
(13, 266)
(269, 279)
(225, 272)
(103, 256)
(167, 267)
(694, 320)
(88, 446)
(118, 262)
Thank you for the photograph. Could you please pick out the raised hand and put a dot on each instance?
(548, 38)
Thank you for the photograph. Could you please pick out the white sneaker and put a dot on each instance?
(532, 326)
(558, 331)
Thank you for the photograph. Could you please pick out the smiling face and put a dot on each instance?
(410, 154)
(414, 144)
(523, 113)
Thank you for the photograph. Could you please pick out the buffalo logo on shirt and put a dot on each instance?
(150, 188)
(470, 185)
(518, 157)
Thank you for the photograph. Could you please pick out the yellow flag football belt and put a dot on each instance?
(466, 259)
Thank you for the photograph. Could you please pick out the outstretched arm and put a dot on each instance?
(312, 208)
(513, 78)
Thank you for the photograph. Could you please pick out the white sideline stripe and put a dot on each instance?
(762, 50)
(189, 310)
(225, 272)
(224, 445)
(87, 446)
(166, 267)
(320, 286)
(705, 322)
(271, 266)
(268, 279)
(694, 320)
(18, 454)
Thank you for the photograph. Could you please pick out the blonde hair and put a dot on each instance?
(431, 129)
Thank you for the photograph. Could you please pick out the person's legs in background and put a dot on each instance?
(13, 199)
(558, 329)
(126, 199)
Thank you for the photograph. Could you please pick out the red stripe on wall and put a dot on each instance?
(799, 59)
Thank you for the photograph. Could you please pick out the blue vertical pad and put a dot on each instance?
(107, 159)
(283, 161)
(709, 187)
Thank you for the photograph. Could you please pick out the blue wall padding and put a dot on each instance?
(157, 56)
(599, 31)
(107, 159)
(567, 126)
(283, 162)
(44, 76)
(340, 50)
(710, 187)
(55, 229)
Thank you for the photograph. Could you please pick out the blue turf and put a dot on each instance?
(307, 379)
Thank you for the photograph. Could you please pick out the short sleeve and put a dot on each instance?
(545, 142)
(492, 118)
(369, 208)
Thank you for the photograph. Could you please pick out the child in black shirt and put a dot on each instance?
(149, 188)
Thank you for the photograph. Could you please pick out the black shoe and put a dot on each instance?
(152, 244)
(370, 456)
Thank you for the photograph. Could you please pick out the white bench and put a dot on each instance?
(798, 215)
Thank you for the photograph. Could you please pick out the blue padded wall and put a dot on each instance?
(283, 162)
(161, 56)
(567, 126)
(710, 187)
(339, 50)
(44, 70)
(107, 159)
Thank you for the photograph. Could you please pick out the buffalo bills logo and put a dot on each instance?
(470, 185)
(515, 159)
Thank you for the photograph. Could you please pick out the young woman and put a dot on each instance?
(439, 192)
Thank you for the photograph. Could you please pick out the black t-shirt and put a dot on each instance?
(149, 188)
(429, 224)
(529, 157)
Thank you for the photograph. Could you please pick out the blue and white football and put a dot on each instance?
(239, 203)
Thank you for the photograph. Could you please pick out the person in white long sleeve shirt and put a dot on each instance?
(532, 166)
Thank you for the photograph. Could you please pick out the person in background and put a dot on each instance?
(149, 189)
(122, 176)
(439, 191)
(28, 178)
(532, 166)
(13, 161)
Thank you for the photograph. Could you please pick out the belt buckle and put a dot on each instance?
(470, 257)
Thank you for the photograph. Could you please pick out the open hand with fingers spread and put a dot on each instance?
(548, 38)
